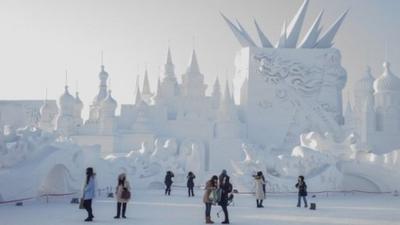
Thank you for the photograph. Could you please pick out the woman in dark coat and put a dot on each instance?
(226, 189)
(168, 182)
(302, 187)
(88, 193)
(190, 183)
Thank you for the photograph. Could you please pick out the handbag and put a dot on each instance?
(125, 194)
(81, 206)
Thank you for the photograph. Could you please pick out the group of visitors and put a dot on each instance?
(122, 194)
(218, 190)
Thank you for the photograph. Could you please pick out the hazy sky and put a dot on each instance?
(41, 39)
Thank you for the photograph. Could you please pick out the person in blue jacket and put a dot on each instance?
(88, 193)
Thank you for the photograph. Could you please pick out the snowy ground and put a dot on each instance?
(153, 208)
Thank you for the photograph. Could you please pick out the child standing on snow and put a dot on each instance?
(302, 187)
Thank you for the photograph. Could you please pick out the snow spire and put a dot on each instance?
(169, 68)
(265, 43)
(311, 37)
(216, 86)
(216, 93)
(193, 65)
(66, 78)
(295, 25)
(282, 40)
(245, 34)
(227, 93)
(146, 85)
(138, 98)
(158, 86)
(237, 32)
(327, 38)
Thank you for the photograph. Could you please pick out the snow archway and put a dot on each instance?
(57, 181)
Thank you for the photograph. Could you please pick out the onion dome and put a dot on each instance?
(66, 99)
(45, 108)
(109, 102)
(387, 81)
(103, 75)
(366, 82)
(78, 102)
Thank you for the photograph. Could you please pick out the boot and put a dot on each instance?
(208, 220)
(123, 210)
(258, 204)
(225, 222)
(261, 205)
(118, 211)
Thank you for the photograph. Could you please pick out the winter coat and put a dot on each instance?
(302, 186)
(168, 179)
(89, 189)
(226, 189)
(119, 189)
(190, 182)
(259, 183)
(208, 189)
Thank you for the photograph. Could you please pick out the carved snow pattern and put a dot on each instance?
(274, 69)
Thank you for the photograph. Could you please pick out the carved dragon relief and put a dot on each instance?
(300, 85)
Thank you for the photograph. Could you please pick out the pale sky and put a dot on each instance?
(41, 39)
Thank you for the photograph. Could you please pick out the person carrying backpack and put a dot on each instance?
(210, 197)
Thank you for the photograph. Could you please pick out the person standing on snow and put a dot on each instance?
(168, 182)
(88, 193)
(122, 192)
(226, 189)
(302, 187)
(209, 197)
(259, 189)
(190, 183)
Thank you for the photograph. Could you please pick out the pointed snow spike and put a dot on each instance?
(137, 83)
(282, 39)
(138, 98)
(227, 92)
(265, 43)
(216, 83)
(146, 84)
(193, 65)
(327, 38)
(294, 27)
(237, 32)
(244, 33)
(169, 57)
(158, 85)
(313, 33)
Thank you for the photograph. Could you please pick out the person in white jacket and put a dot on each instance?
(122, 186)
(259, 189)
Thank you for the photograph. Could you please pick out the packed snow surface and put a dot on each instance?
(151, 207)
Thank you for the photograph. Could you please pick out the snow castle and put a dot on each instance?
(283, 115)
